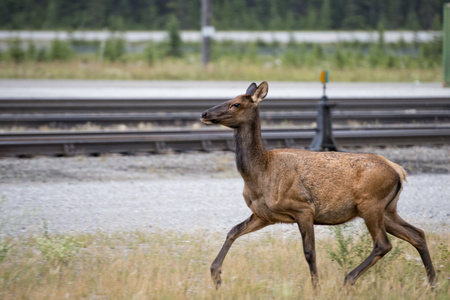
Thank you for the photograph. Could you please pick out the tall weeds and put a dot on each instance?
(166, 265)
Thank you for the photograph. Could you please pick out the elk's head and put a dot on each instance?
(238, 111)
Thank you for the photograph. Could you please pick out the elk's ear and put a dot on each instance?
(260, 92)
(251, 89)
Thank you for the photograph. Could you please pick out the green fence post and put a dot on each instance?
(446, 39)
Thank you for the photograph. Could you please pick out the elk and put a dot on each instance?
(308, 188)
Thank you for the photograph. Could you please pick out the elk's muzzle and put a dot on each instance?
(205, 118)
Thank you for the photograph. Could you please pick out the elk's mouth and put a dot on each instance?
(207, 121)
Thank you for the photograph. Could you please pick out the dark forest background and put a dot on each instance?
(227, 14)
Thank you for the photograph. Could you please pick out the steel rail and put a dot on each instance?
(183, 118)
(37, 105)
(86, 143)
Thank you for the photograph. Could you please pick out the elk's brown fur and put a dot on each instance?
(307, 188)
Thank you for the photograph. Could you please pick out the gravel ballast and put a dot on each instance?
(176, 192)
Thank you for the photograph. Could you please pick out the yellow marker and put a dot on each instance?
(324, 76)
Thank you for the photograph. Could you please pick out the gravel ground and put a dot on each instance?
(180, 192)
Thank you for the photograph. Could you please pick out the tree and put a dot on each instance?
(325, 15)
(173, 28)
(51, 18)
(412, 22)
(353, 18)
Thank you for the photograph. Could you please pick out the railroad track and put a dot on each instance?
(188, 118)
(37, 105)
(65, 113)
(92, 143)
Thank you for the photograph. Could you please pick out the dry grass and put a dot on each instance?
(221, 70)
(173, 266)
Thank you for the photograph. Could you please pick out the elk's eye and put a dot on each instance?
(235, 105)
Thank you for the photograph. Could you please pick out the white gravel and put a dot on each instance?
(179, 192)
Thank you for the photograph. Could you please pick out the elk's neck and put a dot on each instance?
(251, 156)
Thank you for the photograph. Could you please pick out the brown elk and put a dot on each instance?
(307, 188)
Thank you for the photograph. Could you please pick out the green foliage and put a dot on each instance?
(354, 245)
(227, 15)
(340, 58)
(5, 245)
(444, 252)
(31, 51)
(175, 43)
(15, 50)
(318, 53)
(347, 252)
(380, 29)
(292, 57)
(344, 55)
(114, 49)
(58, 249)
(375, 55)
(60, 50)
(412, 21)
(42, 55)
(151, 53)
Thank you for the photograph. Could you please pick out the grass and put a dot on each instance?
(186, 69)
(142, 265)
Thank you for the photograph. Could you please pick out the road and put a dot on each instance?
(139, 89)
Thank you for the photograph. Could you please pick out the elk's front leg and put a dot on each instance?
(253, 223)
(306, 225)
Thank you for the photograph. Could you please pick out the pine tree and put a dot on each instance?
(325, 15)
(51, 18)
(412, 22)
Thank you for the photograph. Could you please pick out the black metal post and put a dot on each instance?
(323, 139)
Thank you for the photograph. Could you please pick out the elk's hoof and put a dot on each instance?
(349, 281)
(215, 276)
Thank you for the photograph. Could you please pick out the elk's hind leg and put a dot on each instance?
(398, 227)
(253, 223)
(381, 245)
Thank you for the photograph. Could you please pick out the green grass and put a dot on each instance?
(142, 265)
(173, 69)
(348, 61)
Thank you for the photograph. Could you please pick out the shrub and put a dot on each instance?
(58, 249)
(340, 58)
(151, 53)
(60, 50)
(15, 51)
(175, 43)
(114, 49)
(31, 53)
(354, 245)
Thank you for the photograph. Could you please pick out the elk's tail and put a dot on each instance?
(399, 169)
(402, 177)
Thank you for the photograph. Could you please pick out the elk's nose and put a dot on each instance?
(204, 114)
